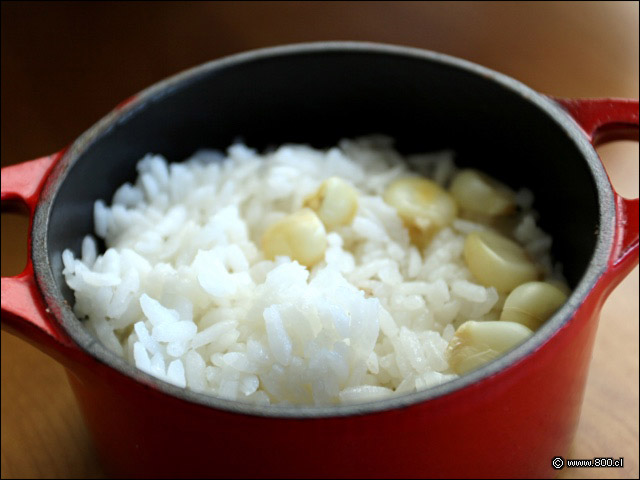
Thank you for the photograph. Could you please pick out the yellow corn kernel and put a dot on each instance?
(423, 206)
(532, 303)
(478, 193)
(496, 261)
(300, 236)
(335, 202)
(477, 343)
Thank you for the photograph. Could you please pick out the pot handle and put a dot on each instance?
(23, 311)
(606, 120)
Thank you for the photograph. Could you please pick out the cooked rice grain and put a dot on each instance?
(184, 292)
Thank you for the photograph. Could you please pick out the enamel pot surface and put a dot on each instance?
(506, 419)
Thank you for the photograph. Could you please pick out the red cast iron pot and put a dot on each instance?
(506, 419)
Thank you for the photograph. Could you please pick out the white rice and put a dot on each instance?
(184, 292)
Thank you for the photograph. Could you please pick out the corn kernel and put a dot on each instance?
(496, 261)
(532, 303)
(335, 202)
(423, 206)
(477, 343)
(478, 193)
(300, 236)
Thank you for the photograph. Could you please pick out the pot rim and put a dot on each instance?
(89, 344)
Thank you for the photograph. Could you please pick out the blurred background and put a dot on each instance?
(64, 65)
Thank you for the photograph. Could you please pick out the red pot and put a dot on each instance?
(506, 419)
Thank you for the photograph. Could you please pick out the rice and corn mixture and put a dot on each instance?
(303, 276)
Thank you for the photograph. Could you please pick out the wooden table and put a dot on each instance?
(64, 66)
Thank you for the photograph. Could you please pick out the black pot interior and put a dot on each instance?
(320, 97)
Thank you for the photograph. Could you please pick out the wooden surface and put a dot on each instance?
(64, 66)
